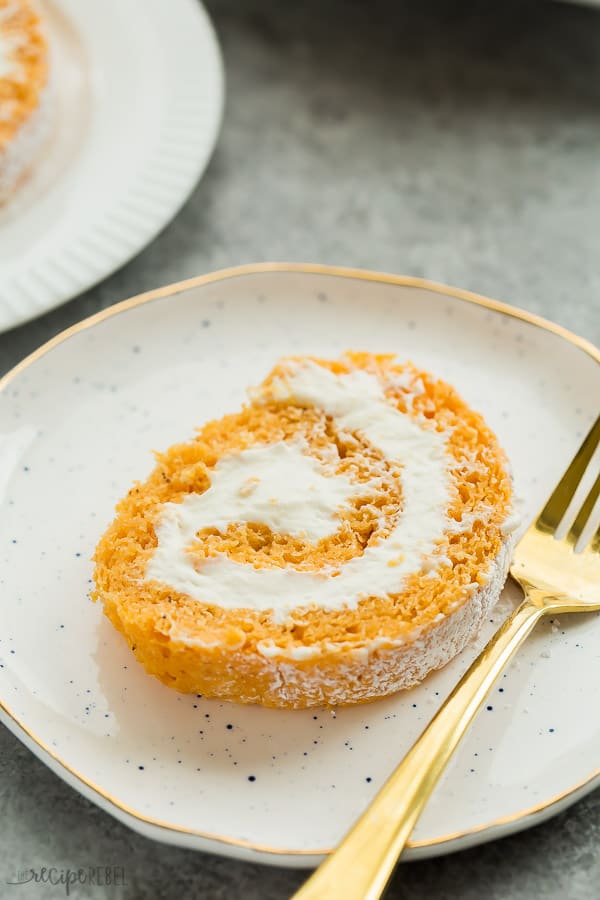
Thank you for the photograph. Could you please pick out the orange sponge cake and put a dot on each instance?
(342, 535)
(25, 96)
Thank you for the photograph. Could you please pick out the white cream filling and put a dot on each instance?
(278, 485)
(269, 649)
(357, 402)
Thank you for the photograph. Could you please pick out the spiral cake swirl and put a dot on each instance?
(343, 534)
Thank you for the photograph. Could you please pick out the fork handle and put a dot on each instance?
(361, 866)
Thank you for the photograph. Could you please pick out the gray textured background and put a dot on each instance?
(456, 141)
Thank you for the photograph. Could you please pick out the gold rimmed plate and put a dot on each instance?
(78, 421)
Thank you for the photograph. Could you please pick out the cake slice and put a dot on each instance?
(341, 536)
(25, 92)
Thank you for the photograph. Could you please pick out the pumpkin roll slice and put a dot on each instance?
(341, 536)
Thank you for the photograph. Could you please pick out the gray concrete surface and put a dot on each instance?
(456, 141)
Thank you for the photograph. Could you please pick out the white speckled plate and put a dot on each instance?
(77, 422)
(139, 99)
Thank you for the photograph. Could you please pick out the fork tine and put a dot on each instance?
(595, 542)
(582, 518)
(550, 517)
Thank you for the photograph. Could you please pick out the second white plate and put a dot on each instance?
(139, 89)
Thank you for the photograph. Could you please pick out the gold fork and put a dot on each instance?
(555, 579)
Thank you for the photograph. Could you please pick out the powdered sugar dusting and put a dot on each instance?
(380, 668)
(21, 151)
